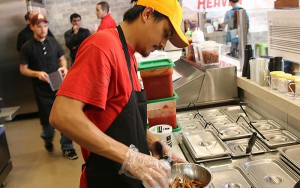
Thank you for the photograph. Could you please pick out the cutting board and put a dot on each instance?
(286, 3)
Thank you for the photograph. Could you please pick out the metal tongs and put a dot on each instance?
(250, 122)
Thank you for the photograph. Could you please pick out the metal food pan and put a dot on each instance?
(218, 121)
(238, 147)
(291, 153)
(233, 131)
(230, 176)
(235, 111)
(279, 138)
(270, 173)
(184, 116)
(292, 166)
(267, 125)
(211, 113)
(191, 125)
(205, 145)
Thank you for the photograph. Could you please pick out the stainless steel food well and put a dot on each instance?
(184, 116)
(279, 138)
(233, 131)
(292, 154)
(211, 113)
(270, 173)
(267, 125)
(227, 176)
(238, 147)
(218, 120)
(191, 125)
(204, 145)
(235, 111)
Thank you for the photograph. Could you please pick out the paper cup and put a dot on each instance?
(163, 132)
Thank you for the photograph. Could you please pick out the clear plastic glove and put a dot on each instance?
(146, 168)
(168, 151)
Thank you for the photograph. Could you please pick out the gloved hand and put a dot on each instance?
(168, 151)
(145, 168)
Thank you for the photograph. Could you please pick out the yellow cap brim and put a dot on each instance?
(179, 40)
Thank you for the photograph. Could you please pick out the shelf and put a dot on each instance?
(279, 100)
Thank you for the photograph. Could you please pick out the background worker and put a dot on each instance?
(27, 33)
(102, 12)
(40, 56)
(105, 111)
(75, 36)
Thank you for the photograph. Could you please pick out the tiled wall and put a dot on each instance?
(58, 12)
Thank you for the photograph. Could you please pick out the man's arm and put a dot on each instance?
(41, 75)
(70, 39)
(63, 66)
(67, 116)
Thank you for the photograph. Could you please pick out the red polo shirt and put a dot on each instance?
(107, 22)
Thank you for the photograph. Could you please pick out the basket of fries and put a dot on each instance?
(189, 175)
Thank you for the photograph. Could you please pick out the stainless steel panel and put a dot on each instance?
(219, 85)
(226, 176)
(233, 131)
(15, 89)
(188, 86)
(279, 138)
(292, 154)
(205, 144)
(270, 173)
(238, 147)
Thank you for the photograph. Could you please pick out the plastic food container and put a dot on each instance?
(208, 53)
(157, 78)
(162, 111)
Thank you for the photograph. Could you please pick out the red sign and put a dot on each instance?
(208, 4)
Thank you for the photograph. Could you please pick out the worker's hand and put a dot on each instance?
(168, 151)
(145, 168)
(63, 71)
(43, 76)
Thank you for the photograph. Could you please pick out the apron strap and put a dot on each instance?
(125, 50)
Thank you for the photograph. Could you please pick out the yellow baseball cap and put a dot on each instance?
(173, 10)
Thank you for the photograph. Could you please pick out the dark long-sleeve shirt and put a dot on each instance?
(73, 41)
(26, 34)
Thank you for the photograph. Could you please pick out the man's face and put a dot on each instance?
(156, 34)
(76, 21)
(99, 12)
(40, 30)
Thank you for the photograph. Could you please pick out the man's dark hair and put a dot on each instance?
(104, 6)
(27, 16)
(234, 1)
(74, 15)
(133, 13)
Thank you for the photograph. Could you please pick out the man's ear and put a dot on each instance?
(31, 26)
(147, 13)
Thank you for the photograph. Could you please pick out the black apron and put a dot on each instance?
(128, 128)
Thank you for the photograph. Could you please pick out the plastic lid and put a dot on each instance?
(274, 73)
(297, 80)
(154, 64)
(175, 97)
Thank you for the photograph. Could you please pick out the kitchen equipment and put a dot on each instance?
(278, 138)
(235, 111)
(248, 57)
(291, 153)
(267, 125)
(229, 176)
(238, 147)
(204, 145)
(270, 173)
(191, 171)
(233, 131)
(251, 143)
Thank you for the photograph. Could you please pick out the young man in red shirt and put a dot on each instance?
(104, 109)
(102, 12)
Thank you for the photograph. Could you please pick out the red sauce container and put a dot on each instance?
(157, 78)
(162, 111)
